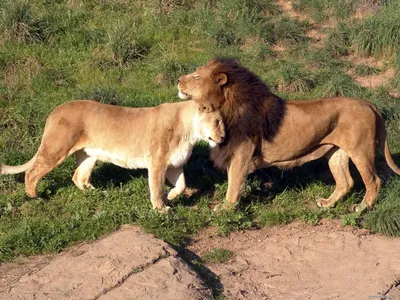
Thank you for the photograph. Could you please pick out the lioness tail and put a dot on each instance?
(4, 169)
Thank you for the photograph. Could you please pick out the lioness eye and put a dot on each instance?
(197, 76)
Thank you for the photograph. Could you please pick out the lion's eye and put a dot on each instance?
(197, 76)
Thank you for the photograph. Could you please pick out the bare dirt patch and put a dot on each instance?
(374, 80)
(296, 261)
(300, 261)
(127, 264)
(287, 8)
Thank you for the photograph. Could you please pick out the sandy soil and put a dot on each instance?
(295, 261)
(300, 261)
(125, 265)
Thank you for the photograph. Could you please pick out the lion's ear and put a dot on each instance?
(221, 79)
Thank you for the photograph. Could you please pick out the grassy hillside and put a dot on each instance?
(131, 53)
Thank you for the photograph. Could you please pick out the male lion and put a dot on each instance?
(262, 130)
(159, 138)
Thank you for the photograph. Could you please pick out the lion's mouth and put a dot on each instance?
(184, 96)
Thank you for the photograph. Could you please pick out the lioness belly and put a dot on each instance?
(119, 159)
(180, 155)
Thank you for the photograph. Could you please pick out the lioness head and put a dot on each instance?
(204, 85)
(209, 127)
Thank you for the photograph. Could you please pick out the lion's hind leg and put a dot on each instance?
(338, 161)
(85, 165)
(177, 178)
(365, 165)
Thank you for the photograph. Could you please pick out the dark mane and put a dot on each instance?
(249, 108)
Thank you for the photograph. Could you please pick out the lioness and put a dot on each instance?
(263, 130)
(160, 139)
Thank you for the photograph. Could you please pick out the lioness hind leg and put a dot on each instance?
(338, 161)
(85, 165)
(42, 166)
(177, 178)
(156, 184)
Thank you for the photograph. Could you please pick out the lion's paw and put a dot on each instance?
(359, 208)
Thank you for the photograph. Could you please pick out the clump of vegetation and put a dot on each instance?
(295, 78)
(365, 70)
(290, 30)
(126, 44)
(321, 10)
(217, 256)
(338, 41)
(336, 83)
(21, 24)
(103, 95)
(379, 34)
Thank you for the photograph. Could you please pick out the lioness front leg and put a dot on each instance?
(238, 169)
(156, 184)
(177, 178)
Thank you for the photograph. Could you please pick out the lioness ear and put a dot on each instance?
(221, 79)
(206, 108)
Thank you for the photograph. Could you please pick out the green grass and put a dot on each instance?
(320, 10)
(365, 70)
(131, 53)
(380, 34)
(217, 255)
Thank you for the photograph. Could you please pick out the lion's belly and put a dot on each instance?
(119, 159)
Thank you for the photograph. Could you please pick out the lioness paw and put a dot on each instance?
(164, 210)
(173, 194)
(324, 203)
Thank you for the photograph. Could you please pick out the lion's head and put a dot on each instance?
(246, 103)
(205, 85)
(210, 127)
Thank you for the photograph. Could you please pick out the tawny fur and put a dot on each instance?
(160, 139)
(264, 131)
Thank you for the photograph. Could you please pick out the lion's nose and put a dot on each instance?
(210, 138)
(222, 139)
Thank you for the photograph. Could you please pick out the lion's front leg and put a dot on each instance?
(238, 169)
(156, 184)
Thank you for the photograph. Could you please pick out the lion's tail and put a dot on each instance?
(4, 169)
(383, 143)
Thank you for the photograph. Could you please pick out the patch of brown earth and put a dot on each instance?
(366, 8)
(127, 264)
(374, 80)
(369, 61)
(279, 48)
(287, 8)
(300, 261)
